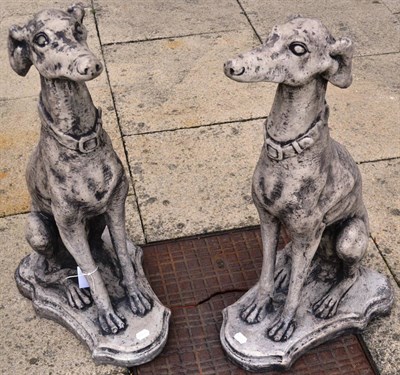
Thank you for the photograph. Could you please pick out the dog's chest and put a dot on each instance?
(87, 184)
(284, 188)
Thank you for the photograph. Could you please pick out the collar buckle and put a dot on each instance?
(274, 150)
(88, 143)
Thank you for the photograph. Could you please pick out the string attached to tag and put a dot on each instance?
(82, 281)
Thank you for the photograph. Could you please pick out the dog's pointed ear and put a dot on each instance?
(18, 50)
(339, 73)
(78, 11)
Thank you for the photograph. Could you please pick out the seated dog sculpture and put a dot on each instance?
(76, 181)
(304, 179)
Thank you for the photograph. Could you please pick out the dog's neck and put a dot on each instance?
(295, 109)
(69, 105)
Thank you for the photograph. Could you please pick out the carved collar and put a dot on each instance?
(283, 150)
(84, 144)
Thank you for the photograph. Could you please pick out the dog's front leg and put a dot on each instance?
(270, 228)
(73, 234)
(140, 302)
(303, 251)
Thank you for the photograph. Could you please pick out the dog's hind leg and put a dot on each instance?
(351, 245)
(42, 236)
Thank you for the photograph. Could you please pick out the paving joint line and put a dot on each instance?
(249, 21)
(384, 259)
(167, 37)
(377, 54)
(119, 123)
(367, 353)
(377, 160)
(197, 126)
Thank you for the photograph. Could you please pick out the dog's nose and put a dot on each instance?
(231, 70)
(89, 67)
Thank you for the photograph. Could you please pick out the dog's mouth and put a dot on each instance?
(236, 73)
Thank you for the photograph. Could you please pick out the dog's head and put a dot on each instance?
(294, 54)
(55, 43)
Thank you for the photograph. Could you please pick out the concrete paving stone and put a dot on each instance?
(19, 129)
(382, 335)
(173, 83)
(366, 116)
(393, 5)
(29, 344)
(145, 19)
(28, 7)
(382, 198)
(195, 180)
(370, 24)
(14, 86)
(169, 84)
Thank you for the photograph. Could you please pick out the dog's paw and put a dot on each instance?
(326, 307)
(282, 329)
(140, 303)
(110, 321)
(256, 311)
(78, 298)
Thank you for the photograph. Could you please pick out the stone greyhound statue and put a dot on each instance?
(76, 181)
(304, 180)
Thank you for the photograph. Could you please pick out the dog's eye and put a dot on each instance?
(298, 49)
(41, 40)
(78, 28)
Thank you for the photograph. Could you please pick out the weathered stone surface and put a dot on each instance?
(179, 83)
(145, 19)
(195, 180)
(356, 20)
(381, 190)
(382, 334)
(28, 344)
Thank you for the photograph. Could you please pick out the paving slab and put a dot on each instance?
(195, 180)
(365, 117)
(145, 19)
(28, 7)
(179, 83)
(12, 85)
(29, 344)
(393, 5)
(382, 335)
(173, 84)
(364, 21)
(20, 128)
(381, 189)
(199, 180)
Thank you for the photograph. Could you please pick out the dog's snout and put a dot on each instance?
(89, 67)
(233, 70)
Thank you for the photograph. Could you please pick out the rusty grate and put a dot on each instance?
(197, 278)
